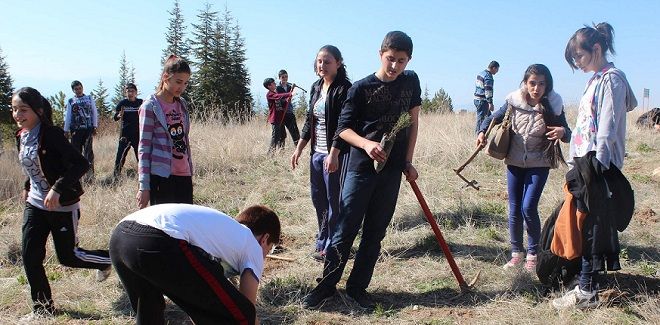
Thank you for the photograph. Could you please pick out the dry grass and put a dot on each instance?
(412, 283)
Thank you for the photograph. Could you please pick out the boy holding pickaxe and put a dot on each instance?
(289, 116)
(276, 112)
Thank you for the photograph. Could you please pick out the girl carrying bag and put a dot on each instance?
(498, 146)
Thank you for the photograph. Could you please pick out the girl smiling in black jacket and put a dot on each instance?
(52, 193)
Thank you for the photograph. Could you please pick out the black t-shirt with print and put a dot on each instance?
(129, 121)
(371, 109)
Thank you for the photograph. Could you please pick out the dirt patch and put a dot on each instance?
(656, 174)
(646, 216)
(626, 287)
(441, 313)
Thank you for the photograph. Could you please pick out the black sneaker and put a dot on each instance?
(362, 298)
(318, 296)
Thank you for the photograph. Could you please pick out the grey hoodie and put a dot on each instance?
(615, 98)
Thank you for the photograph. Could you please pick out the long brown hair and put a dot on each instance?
(173, 64)
(38, 103)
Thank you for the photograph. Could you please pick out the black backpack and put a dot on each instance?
(552, 270)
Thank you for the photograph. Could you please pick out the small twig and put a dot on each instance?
(281, 258)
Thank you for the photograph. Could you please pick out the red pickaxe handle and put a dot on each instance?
(438, 235)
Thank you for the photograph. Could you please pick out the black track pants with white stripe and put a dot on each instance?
(151, 264)
(37, 225)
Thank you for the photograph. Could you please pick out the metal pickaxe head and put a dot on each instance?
(473, 183)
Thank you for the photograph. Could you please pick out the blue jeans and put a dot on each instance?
(482, 112)
(368, 200)
(588, 279)
(525, 186)
(326, 190)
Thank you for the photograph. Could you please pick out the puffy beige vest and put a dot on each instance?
(528, 140)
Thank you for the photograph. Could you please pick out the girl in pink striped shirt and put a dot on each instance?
(165, 164)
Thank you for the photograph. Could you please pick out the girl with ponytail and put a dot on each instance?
(598, 141)
(164, 159)
(52, 193)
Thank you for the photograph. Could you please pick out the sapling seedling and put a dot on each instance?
(387, 142)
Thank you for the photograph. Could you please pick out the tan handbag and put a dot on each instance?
(498, 146)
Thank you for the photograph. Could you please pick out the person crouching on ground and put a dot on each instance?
(186, 252)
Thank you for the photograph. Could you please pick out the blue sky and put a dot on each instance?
(47, 44)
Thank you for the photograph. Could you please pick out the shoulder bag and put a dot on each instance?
(498, 146)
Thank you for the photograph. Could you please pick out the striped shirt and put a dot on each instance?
(321, 144)
(484, 86)
(155, 145)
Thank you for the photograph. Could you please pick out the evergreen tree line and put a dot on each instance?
(219, 87)
(6, 88)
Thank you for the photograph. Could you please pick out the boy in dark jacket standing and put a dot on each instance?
(127, 111)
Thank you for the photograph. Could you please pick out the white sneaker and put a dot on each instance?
(102, 275)
(530, 263)
(576, 298)
(34, 317)
(515, 261)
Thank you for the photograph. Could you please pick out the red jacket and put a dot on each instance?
(275, 108)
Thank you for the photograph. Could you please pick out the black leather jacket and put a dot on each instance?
(334, 102)
(60, 162)
(609, 201)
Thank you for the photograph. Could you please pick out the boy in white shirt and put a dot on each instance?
(186, 252)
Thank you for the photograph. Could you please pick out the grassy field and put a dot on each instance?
(412, 284)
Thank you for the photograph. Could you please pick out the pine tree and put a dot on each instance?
(131, 78)
(441, 102)
(204, 84)
(124, 75)
(221, 80)
(219, 68)
(131, 75)
(58, 102)
(426, 100)
(232, 76)
(6, 87)
(241, 94)
(301, 105)
(100, 95)
(175, 36)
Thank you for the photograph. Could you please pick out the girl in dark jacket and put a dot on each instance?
(51, 194)
(327, 97)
